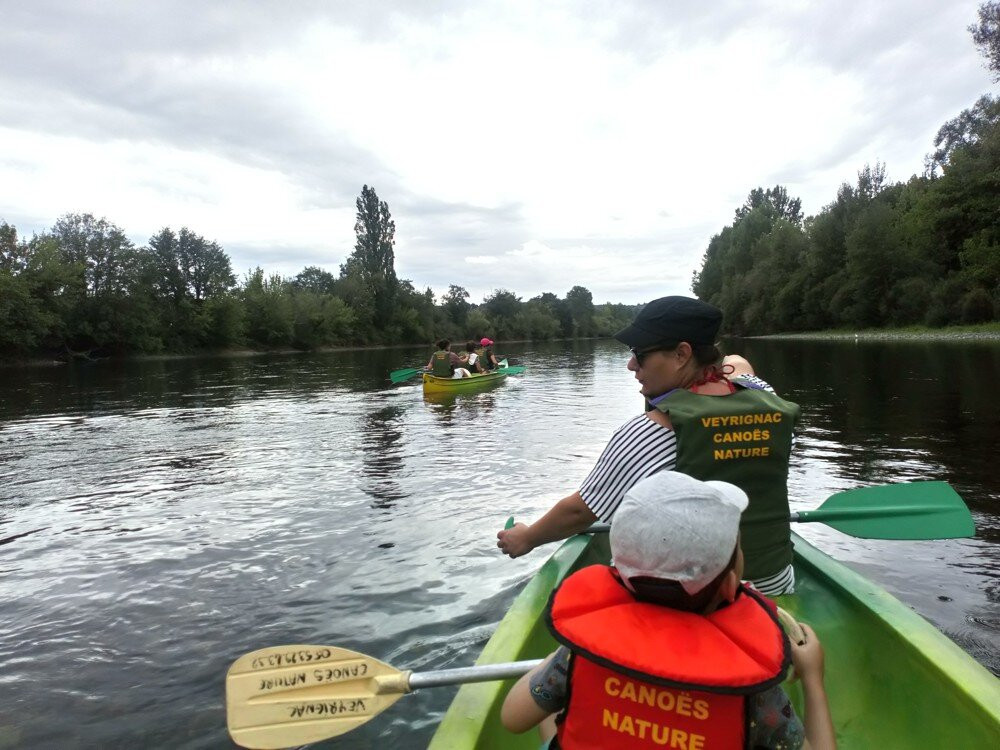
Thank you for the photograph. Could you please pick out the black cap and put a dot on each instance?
(672, 320)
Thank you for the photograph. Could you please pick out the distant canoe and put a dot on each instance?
(458, 385)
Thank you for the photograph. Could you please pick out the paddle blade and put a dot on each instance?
(514, 369)
(909, 510)
(398, 376)
(293, 695)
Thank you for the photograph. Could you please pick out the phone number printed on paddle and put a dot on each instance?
(290, 658)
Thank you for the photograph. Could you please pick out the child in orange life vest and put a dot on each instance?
(667, 648)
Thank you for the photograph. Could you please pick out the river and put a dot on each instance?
(161, 517)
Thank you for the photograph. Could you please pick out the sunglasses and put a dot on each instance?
(640, 354)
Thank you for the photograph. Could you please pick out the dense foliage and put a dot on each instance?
(926, 251)
(84, 289)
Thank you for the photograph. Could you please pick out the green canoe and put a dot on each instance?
(894, 681)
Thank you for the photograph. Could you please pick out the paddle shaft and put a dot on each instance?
(462, 675)
(819, 515)
(920, 510)
(845, 514)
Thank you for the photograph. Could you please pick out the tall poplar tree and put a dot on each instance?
(373, 259)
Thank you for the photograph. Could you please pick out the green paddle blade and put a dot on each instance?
(398, 376)
(513, 370)
(909, 510)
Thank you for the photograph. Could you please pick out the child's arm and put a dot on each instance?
(808, 660)
(520, 712)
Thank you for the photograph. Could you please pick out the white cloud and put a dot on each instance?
(519, 145)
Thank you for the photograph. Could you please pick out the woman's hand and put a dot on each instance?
(515, 541)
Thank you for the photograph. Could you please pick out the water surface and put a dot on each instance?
(159, 518)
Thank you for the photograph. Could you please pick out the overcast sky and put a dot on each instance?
(530, 146)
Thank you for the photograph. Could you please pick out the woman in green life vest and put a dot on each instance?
(444, 363)
(706, 416)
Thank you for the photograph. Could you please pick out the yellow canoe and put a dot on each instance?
(458, 385)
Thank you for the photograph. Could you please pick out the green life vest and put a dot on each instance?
(745, 439)
(441, 364)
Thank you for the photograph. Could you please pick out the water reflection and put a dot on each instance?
(381, 445)
(470, 409)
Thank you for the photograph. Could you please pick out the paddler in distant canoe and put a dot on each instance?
(487, 356)
(472, 359)
(706, 416)
(667, 648)
(444, 363)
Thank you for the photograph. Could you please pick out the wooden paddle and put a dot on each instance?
(292, 695)
(908, 510)
(284, 696)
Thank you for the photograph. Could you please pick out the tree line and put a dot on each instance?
(921, 252)
(83, 288)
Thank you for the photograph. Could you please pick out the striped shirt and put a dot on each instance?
(641, 448)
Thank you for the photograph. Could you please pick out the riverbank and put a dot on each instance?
(984, 331)
(53, 361)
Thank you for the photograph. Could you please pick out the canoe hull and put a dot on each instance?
(893, 679)
(459, 385)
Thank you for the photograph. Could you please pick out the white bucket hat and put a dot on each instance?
(673, 527)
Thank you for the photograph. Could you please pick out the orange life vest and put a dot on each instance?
(647, 676)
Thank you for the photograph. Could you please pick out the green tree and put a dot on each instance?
(963, 204)
(26, 313)
(373, 259)
(535, 321)
(965, 131)
(456, 304)
(225, 317)
(184, 271)
(559, 310)
(413, 320)
(99, 247)
(581, 307)
(986, 35)
(775, 201)
(12, 252)
(319, 319)
(111, 307)
(351, 288)
(773, 285)
(314, 279)
(502, 308)
(610, 318)
(479, 324)
(269, 312)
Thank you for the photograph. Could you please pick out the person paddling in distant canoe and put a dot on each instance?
(666, 648)
(707, 416)
(471, 358)
(489, 358)
(444, 363)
